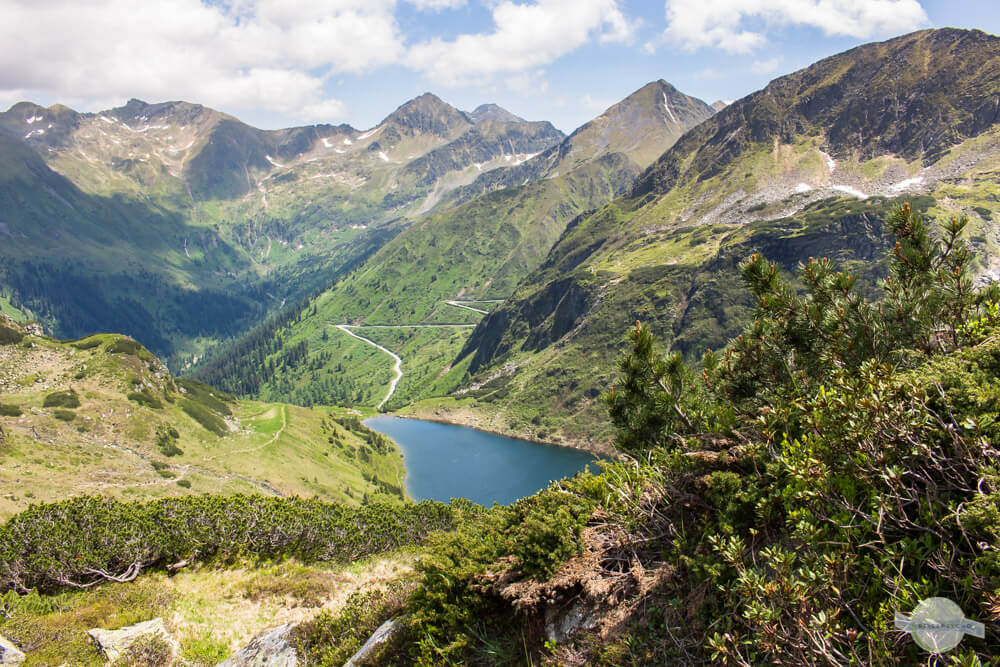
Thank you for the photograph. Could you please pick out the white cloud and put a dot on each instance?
(436, 5)
(525, 37)
(261, 55)
(527, 83)
(765, 66)
(736, 25)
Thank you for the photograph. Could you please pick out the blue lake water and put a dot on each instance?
(444, 461)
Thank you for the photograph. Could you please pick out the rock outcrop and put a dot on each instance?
(115, 644)
(274, 647)
(9, 654)
(379, 637)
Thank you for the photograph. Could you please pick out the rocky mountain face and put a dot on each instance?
(640, 128)
(254, 217)
(809, 166)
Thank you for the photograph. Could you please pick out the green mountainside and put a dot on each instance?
(230, 222)
(474, 247)
(809, 166)
(788, 501)
(103, 416)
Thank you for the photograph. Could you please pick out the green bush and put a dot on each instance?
(64, 415)
(62, 399)
(205, 417)
(10, 336)
(184, 484)
(10, 411)
(146, 398)
(166, 440)
(128, 346)
(211, 398)
(75, 542)
(332, 638)
(88, 343)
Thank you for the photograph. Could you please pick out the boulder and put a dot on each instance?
(9, 654)
(563, 622)
(379, 637)
(115, 643)
(272, 648)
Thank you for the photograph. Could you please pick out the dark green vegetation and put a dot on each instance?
(10, 336)
(82, 542)
(332, 639)
(834, 464)
(10, 410)
(62, 399)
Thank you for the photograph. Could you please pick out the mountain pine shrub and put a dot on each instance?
(834, 464)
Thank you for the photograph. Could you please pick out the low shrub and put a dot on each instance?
(128, 346)
(184, 484)
(85, 540)
(146, 398)
(62, 399)
(211, 398)
(205, 417)
(332, 638)
(87, 343)
(166, 441)
(10, 411)
(64, 415)
(10, 336)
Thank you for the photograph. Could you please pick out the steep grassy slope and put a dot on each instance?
(807, 167)
(479, 248)
(103, 416)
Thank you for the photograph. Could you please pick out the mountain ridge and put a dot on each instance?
(665, 252)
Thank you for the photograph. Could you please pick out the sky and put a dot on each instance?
(279, 63)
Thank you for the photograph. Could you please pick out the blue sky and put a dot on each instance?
(276, 63)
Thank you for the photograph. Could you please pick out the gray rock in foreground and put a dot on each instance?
(379, 637)
(114, 643)
(9, 654)
(272, 648)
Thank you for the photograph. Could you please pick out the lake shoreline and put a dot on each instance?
(474, 420)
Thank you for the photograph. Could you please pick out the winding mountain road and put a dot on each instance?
(458, 304)
(396, 367)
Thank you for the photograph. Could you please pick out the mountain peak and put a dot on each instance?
(642, 125)
(493, 112)
(920, 93)
(428, 114)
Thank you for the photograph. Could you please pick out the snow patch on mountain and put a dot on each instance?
(667, 107)
(906, 184)
(847, 189)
